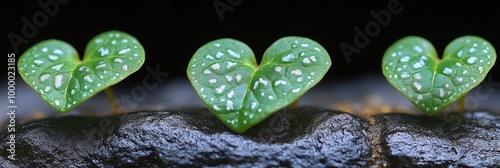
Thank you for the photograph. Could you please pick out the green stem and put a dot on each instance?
(461, 104)
(461, 109)
(111, 98)
(295, 104)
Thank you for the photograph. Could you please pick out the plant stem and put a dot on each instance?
(461, 109)
(461, 104)
(295, 104)
(111, 98)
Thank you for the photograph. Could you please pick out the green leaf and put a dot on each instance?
(54, 70)
(412, 66)
(241, 93)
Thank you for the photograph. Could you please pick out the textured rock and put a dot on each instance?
(433, 142)
(302, 137)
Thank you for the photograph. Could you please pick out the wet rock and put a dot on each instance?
(423, 141)
(303, 137)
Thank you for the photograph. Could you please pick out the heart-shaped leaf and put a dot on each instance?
(54, 70)
(412, 66)
(241, 93)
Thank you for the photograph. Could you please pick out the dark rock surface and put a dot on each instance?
(433, 142)
(304, 137)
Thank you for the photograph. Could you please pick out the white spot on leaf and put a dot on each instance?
(288, 58)
(44, 77)
(417, 49)
(216, 66)
(471, 60)
(405, 75)
(58, 81)
(118, 60)
(417, 85)
(124, 51)
(255, 85)
(419, 64)
(234, 54)
(296, 72)
(57, 67)
(230, 64)
(219, 54)
(229, 105)
(101, 65)
(405, 59)
(441, 92)
(229, 78)
(58, 51)
(254, 105)
(206, 72)
(306, 61)
(313, 58)
(447, 71)
(220, 89)
(472, 49)
(53, 57)
(238, 78)
(278, 69)
(264, 82)
(216, 108)
(84, 68)
(103, 51)
(417, 76)
(88, 79)
(230, 94)
(279, 82)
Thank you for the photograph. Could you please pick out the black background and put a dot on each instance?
(172, 31)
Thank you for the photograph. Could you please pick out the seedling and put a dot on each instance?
(241, 93)
(54, 70)
(411, 65)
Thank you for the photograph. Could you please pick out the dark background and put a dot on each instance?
(171, 31)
